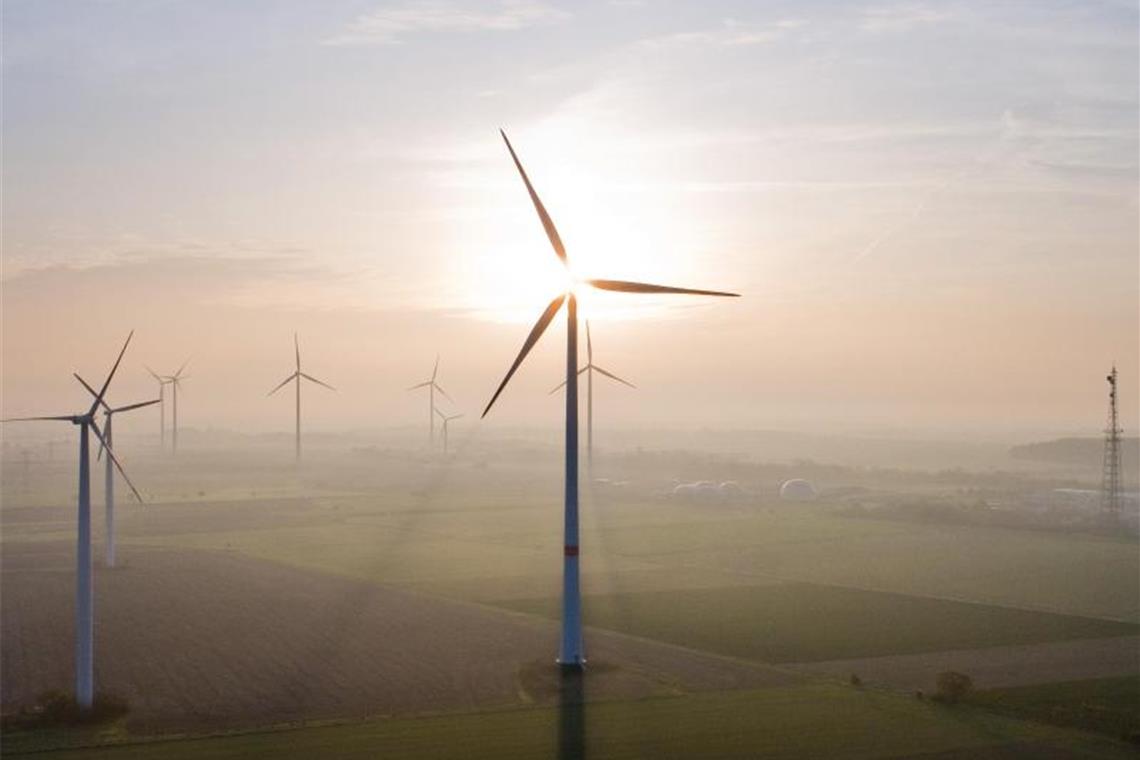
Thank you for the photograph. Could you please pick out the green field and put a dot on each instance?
(452, 543)
(1110, 706)
(804, 622)
(814, 721)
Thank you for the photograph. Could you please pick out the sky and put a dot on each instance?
(931, 209)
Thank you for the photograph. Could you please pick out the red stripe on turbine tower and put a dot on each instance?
(571, 551)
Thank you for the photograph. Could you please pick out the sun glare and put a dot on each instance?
(610, 231)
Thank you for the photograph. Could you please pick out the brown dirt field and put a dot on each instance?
(205, 640)
(994, 667)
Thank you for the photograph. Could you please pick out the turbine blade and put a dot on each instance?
(108, 410)
(624, 286)
(435, 369)
(139, 405)
(115, 461)
(297, 349)
(420, 385)
(153, 374)
(281, 385)
(178, 374)
(107, 382)
(547, 222)
(441, 414)
(558, 387)
(441, 390)
(90, 390)
(612, 376)
(589, 345)
(62, 418)
(454, 417)
(315, 380)
(535, 333)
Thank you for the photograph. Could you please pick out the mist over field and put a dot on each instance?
(249, 590)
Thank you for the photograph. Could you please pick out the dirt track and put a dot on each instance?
(200, 640)
(995, 667)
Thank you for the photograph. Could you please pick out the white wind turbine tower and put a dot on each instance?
(297, 376)
(162, 383)
(84, 591)
(109, 474)
(446, 418)
(570, 653)
(432, 387)
(590, 368)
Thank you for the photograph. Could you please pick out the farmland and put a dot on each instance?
(198, 640)
(1108, 705)
(795, 622)
(811, 721)
(416, 599)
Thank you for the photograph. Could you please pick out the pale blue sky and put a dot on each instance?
(931, 207)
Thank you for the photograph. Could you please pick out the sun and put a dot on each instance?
(612, 228)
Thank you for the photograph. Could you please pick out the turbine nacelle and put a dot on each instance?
(88, 418)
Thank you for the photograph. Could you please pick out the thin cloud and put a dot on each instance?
(903, 17)
(731, 33)
(389, 26)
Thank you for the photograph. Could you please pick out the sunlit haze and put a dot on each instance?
(931, 209)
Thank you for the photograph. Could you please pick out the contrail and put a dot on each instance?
(983, 160)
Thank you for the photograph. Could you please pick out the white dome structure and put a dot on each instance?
(798, 489)
(700, 492)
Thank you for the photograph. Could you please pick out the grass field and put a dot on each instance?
(483, 547)
(803, 622)
(814, 721)
(1110, 706)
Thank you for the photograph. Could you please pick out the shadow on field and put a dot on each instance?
(571, 715)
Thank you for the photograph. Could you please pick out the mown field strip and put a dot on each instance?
(812, 721)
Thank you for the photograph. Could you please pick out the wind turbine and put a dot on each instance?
(446, 419)
(109, 474)
(590, 368)
(570, 653)
(84, 592)
(432, 387)
(175, 382)
(297, 377)
(162, 383)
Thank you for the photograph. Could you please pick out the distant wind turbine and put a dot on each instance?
(297, 376)
(570, 654)
(84, 591)
(162, 383)
(446, 419)
(432, 387)
(109, 474)
(591, 368)
(175, 382)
